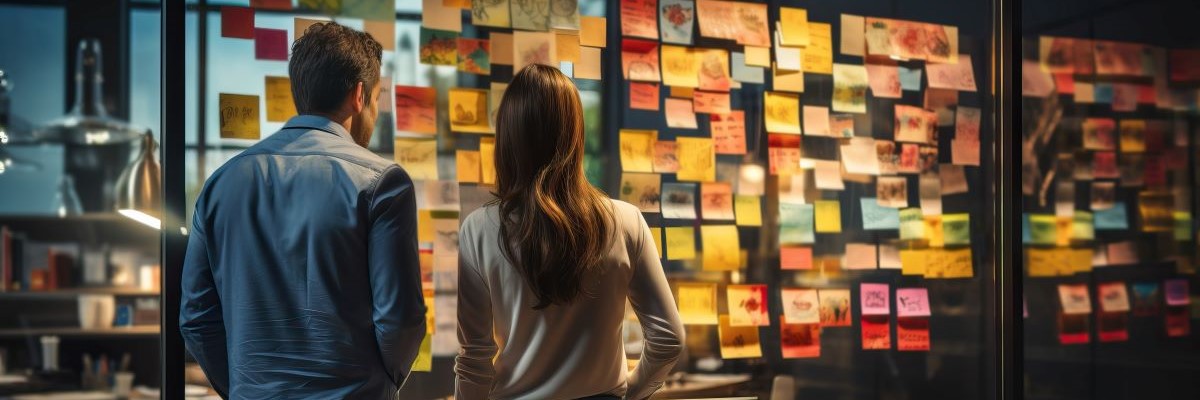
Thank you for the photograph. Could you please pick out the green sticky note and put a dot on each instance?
(1183, 226)
(956, 229)
(1043, 229)
(912, 224)
(1082, 227)
(795, 223)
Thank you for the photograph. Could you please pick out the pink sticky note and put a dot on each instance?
(270, 44)
(1177, 292)
(874, 299)
(912, 302)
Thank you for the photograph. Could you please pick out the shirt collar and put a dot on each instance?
(318, 122)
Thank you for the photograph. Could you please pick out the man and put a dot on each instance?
(301, 278)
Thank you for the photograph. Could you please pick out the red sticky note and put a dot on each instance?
(912, 334)
(643, 96)
(1073, 328)
(1112, 326)
(876, 332)
(237, 22)
(795, 257)
(270, 44)
(272, 4)
(799, 340)
(1178, 324)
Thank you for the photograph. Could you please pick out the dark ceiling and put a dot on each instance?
(1167, 23)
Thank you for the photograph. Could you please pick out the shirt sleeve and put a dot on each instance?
(395, 273)
(473, 368)
(201, 322)
(654, 305)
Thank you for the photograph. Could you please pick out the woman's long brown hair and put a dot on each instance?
(554, 225)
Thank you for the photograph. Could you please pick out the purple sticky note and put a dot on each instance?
(270, 44)
(1177, 292)
(875, 299)
(912, 302)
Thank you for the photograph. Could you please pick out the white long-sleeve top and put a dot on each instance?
(510, 350)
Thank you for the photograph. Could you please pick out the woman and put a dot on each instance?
(545, 269)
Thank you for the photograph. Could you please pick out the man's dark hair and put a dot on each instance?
(327, 62)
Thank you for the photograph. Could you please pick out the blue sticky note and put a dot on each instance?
(744, 73)
(567, 68)
(1104, 93)
(876, 217)
(1026, 232)
(1114, 218)
(796, 223)
(910, 79)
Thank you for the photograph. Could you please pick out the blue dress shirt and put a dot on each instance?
(301, 278)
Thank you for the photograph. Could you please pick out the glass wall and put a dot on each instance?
(819, 176)
(1108, 178)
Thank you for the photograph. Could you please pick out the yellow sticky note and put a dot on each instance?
(424, 360)
(818, 56)
(697, 159)
(681, 243)
(429, 312)
(637, 150)
(567, 47)
(487, 160)
(957, 263)
(829, 216)
(425, 226)
(697, 303)
(793, 25)
(721, 248)
(682, 92)
(738, 341)
(1063, 230)
(657, 233)
(679, 66)
(913, 262)
(1040, 262)
(280, 105)
(782, 112)
(1081, 260)
(468, 110)
(239, 116)
(468, 166)
(758, 56)
(787, 81)
(593, 31)
(933, 228)
(748, 210)
(418, 157)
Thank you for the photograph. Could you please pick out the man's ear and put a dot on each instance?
(357, 98)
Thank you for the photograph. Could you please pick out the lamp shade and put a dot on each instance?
(139, 194)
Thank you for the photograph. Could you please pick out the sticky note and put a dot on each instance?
(239, 116)
(912, 262)
(237, 22)
(874, 298)
(418, 157)
(910, 79)
(721, 251)
(657, 234)
(795, 223)
(912, 302)
(747, 305)
(835, 307)
(637, 150)
(800, 306)
(876, 217)
(697, 159)
(795, 257)
(1114, 218)
(487, 160)
(828, 216)
(468, 167)
(912, 224)
(593, 31)
(280, 106)
(738, 342)
(956, 229)
(748, 210)
(270, 44)
(860, 256)
(697, 303)
(681, 243)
